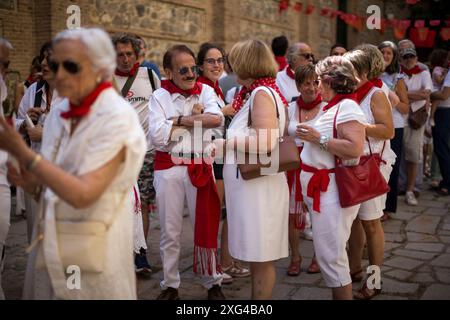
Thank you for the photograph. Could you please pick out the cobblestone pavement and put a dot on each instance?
(416, 266)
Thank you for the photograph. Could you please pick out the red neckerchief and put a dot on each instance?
(301, 104)
(282, 63)
(213, 85)
(172, 88)
(410, 72)
(377, 82)
(267, 82)
(337, 98)
(79, 111)
(290, 73)
(362, 91)
(127, 74)
(207, 211)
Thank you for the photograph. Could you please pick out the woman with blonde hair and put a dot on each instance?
(92, 150)
(369, 64)
(331, 223)
(257, 209)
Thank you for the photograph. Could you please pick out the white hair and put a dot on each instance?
(98, 45)
(293, 50)
(407, 42)
(5, 44)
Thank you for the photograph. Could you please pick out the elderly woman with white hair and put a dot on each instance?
(92, 150)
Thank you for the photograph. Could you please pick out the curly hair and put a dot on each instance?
(338, 73)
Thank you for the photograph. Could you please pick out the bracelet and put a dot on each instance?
(179, 121)
(33, 163)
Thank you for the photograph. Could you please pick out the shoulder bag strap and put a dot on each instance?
(38, 94)
(128, 84)
(152, 80)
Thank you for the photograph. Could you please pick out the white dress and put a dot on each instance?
(111, 125)
(257, 209)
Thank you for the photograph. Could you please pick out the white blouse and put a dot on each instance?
(312, 155)
(287, 86)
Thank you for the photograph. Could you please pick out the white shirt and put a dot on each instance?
(27, 103)
(420, 81)
(164, 106)
(391, 81)
(3, 154)
(446, 83)
(139, 94)
(287, 85)
(294, 120)
(312, 155)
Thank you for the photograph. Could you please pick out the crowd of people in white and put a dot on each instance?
(99, 140)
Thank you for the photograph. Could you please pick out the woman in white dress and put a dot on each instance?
(258, 208)
(331, 223)
(92, 150)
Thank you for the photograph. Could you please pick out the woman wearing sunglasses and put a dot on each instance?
(36, 103)
(92, 150)
(211, 60)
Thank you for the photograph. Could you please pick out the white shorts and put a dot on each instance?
(373, 209)
(331, 231)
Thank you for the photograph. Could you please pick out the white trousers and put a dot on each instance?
(20, 201)
(31, 208)
(331, 231)
(172, 187)
(138, 227)
(5, 211)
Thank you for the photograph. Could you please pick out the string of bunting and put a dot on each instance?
(421, 34)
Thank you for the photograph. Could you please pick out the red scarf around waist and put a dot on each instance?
(81, 110)
(207, 210)
(318, 183)
(169, 86)
(130, 73)
(238, 101)
(293, 177)
(213, 85)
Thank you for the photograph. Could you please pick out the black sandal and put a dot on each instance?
(442, 192)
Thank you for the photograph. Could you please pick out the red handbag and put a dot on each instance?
(357, 184)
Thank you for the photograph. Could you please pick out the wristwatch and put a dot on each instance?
(323, 142)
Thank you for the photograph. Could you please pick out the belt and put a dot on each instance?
(317, 184)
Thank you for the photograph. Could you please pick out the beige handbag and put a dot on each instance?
(80, 243)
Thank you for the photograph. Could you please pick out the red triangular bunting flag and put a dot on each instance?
(435, 23)
(298, 6)
(419, 23)
(309, 9)
(445, 34)
(422, 37)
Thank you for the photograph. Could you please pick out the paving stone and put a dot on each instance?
(391, 245)
(398, 287)
(446, 226)
(428, 247)
(442, 261)
(399, 274)
(445, 239)
(420, 237)
(303, 278)
(437, 291)
(425, 268)
(283, 291)
(422, 277)
(403, 215)
(423, 224)
(312, 294)
(411, 209)
(443, 276)
(443, 232)
(415, 254)
(432, 203)
(436, 211)
(394, 237)
(388, 297)
(403, 263)
(393, 226)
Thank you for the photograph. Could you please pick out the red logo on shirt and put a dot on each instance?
(130, 94)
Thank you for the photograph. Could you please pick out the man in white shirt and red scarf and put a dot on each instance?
(182, 172)
(299, 54)
(137, 84)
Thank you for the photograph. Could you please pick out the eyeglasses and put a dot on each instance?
(213, 61)
(409, 56)
(68, 65)
(307, 56)
(184, 70)
(5, 63)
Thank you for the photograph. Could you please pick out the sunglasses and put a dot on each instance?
(68, 65)
(185, 70)
(307, 56)
(409, 56)
(213, 61)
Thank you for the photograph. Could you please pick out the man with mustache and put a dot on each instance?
(181, 171)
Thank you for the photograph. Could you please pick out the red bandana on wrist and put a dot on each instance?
(410, 72)
(310, 105)
(267, 82)
(362, 91)
(79, 111)
(290, 73)
(127, 74)
(213, 85)
(338, 98)
(377, 82)
(172, 88)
